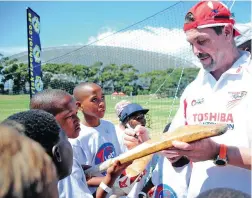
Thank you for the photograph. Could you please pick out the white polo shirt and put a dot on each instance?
(228, 100)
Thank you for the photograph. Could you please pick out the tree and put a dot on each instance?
(18, 73)
(119, 78)
(130, 77)
(77, 72)
(12, 70)
(47, 76)
(63, 85)
(165, 82)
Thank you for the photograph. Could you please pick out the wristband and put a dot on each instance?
(105, 187)
(142, 193)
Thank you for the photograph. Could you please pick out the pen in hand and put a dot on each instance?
(128, 126)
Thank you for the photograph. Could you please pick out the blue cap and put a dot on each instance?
(131, 109)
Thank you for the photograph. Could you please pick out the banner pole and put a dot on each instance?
(28, 52)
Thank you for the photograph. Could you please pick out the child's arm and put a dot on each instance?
(94, 181)
(112, 174)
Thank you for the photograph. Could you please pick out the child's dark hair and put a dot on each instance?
(38, 125)
(49, 100)
(78, 90)
(147, 118)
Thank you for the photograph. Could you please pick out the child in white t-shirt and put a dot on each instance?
(132, 115)
(97, 141)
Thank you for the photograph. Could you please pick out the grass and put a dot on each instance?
(159, 108)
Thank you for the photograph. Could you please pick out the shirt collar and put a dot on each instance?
(236, 68)
(240, 64)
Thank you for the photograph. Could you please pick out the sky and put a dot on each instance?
(79, 23)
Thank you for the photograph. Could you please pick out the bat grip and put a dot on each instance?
(92, 171)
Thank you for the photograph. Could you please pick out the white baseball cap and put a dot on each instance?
(245, 30)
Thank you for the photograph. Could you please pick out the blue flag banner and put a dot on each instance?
(34, 52)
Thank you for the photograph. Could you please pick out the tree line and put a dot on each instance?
(120, 78)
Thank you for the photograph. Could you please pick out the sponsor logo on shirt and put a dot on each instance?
(105, 152)
(125, 182)
(236, 98)
(214, 118)
(239, 69)
(237, 95)
(197, 101)
(164, 191)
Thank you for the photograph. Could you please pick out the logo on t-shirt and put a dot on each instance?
(214, 118)
(126, 182)
(236, 98)
(197, 101)
(105, 152)
(164, 191)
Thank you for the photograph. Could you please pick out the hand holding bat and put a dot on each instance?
(189, 133)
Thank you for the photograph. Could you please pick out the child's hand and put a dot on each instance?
(117, 168)
(142, 133)
(85, 167)
(134, 137)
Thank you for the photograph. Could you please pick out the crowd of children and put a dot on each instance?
(70, 144)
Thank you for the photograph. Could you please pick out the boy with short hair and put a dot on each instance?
(98, 140)
(43, 128)
(63, 106)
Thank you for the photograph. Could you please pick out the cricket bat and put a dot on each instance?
(131, 175)
(188, 133)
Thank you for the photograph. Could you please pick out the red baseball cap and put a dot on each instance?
(209, 14)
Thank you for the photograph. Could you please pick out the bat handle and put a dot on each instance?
(92, 171)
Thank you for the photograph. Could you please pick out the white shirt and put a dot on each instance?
(75, 185)
(96, 144)
(170, 181)
(228, 100)
(144, 178)
(146, 174)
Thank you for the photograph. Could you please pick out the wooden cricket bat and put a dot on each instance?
(132, 174)
(188, 133)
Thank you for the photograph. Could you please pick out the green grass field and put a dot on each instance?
(159, 108)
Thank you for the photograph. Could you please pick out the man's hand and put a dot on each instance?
(134, 137)
(201, 150)
(171, 155)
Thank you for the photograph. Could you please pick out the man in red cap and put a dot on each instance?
(221, 93)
